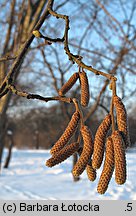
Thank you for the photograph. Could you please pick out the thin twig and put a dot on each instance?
(14, 90)
(77, 58)
(79, 109)
(113, 88)
(7, 58)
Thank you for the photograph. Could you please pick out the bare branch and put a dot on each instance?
(13, 89)
(25, 46)
(76, 58)
(7, 58)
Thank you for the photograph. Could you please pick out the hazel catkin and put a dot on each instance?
(68, 85)
(122, 120)
(120, 158)
(108, 167)
(69, 131)
(86, 152)
(91, 172)
(63, 154)
(99, 142)
(84, 88)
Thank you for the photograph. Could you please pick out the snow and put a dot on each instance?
(28, 178)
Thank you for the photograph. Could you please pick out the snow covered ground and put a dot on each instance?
(29, 178)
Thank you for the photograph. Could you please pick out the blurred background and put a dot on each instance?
(102, 32)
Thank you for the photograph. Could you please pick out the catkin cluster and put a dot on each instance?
(61, 149)
(107, 147)
(82, 76)
(115, 147)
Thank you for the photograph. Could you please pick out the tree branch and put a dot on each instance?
(76, 58)
(13, 89)
(25, 46)
(7, 58)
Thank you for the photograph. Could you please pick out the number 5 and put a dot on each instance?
(129, 207)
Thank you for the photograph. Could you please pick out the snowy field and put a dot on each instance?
(29, 178)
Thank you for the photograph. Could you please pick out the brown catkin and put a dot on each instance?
(68, 85)
(108, 167)
(86, 153)
(69, 131)
(122, 120)
(120, 158)
(63, 154)
(91, 172)
(99, 142)
(84, 88)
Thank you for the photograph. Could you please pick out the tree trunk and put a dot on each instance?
(8, 158)
(2, 135)
(29, 17)
(1, 151)
(37, 144)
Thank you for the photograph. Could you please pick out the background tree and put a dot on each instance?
(106, 42)
(23, 17)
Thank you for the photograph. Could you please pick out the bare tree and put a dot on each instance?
(23, 17)
(98, 24)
